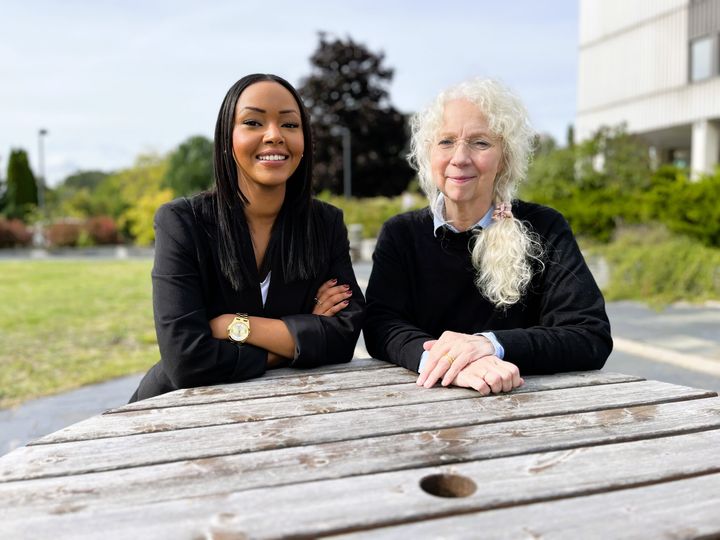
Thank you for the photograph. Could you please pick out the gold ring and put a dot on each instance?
(450, 359)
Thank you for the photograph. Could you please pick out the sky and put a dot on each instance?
(112, 79)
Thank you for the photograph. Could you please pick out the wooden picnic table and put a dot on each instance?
(358, 450)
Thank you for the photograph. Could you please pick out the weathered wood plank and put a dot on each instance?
(288, 382)
(266, 408)
(484, 415)
(686, 508)
(354, 365)
(375, 500)
(296, 382)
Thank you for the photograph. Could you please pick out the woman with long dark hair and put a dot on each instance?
(254, 274)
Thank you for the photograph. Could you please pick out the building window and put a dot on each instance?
(703, 64)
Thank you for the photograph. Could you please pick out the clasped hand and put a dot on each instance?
(331, 298)
(468, 361)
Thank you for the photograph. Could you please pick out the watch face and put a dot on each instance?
(238, 331)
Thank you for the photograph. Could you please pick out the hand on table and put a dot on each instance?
(450, 354)
(489, 374)
(331, 298)
(468, 361)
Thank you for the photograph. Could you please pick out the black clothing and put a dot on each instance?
(189, 290)
(422, 285)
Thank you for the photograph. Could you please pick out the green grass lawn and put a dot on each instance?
(64, 324)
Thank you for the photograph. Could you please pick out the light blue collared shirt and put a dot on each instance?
(438, 212)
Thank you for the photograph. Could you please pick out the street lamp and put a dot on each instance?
(41, 168)
(347, 159)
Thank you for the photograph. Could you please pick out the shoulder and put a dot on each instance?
(185, 212)
(407, 232)
(410, 222)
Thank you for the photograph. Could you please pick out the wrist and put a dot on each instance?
(238, 330)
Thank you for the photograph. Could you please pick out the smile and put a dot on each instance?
(460, 178)
(272, 157)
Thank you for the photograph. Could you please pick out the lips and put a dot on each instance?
(460, 179)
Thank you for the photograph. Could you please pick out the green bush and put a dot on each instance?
(653, 265)
(606, 183)
(687, 207)
(372, 212)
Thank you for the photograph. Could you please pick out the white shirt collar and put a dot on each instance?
(438, 212)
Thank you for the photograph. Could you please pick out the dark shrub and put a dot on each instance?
(102, 230)
(63, 233)
(14, 233)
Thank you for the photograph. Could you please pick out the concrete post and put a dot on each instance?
(705, 151)
(355, 235)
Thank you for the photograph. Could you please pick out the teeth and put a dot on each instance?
(273, 157)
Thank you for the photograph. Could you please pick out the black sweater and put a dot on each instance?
(422, 285)
(189, 290)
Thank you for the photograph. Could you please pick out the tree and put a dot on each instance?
(22, 195)
(73, 196)
(190, 167)
(136, 184)
(597, 184)
(348, 88)
(84, 179)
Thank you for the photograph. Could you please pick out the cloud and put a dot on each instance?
(109, 79)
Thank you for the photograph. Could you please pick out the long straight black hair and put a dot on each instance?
(302, 249)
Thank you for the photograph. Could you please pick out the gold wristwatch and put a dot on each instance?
(239, 329)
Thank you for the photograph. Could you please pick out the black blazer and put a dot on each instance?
(189, 290)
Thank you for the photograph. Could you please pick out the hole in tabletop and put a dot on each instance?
(448, 485)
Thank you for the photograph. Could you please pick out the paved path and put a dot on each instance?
(680, 344)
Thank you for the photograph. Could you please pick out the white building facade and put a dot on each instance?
(655, 66)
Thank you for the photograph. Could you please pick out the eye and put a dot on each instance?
(480, 144)
(291, 125)
(446, 143)
(251, 123)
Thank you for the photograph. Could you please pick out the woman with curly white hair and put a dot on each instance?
(480, 287)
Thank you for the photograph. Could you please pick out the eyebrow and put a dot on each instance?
(479, 133)
(258, 109)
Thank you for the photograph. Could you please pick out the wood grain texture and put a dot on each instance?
(297, 382)
(686, 508)
(342, 450)
(377, 452)
(378, 500)
(272, 383)
(161, 447)
(337, 394)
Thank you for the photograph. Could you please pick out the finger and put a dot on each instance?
(481, 386)
(337, 307)
(330, 297)
(512, 371)
(429, 344)
(460, 362)
(440, 369)
(329, 292)
(331, 300)
(505, 375)
(515, 371)
(494, 380)
(468, 379)
(325, 286)
(430, 363)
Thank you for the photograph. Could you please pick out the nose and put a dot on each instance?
(273, 135)
(461, 154)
